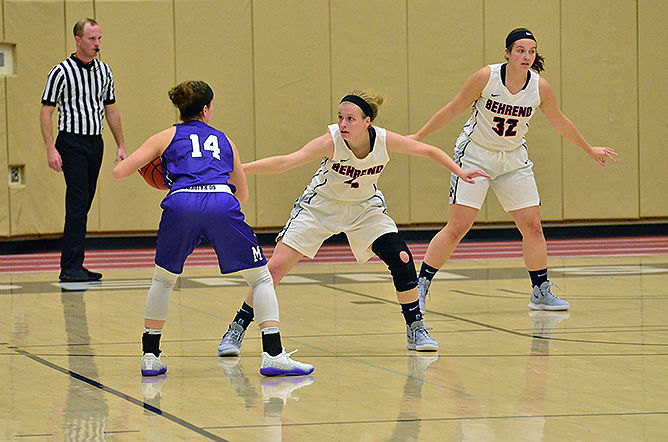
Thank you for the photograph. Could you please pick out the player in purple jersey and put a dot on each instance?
(503, 98)
(207, 183)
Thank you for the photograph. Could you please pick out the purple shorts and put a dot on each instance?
(189, 217)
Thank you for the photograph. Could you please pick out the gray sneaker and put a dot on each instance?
(543, 299)
(230, 345)
(417, 337)
(423, 289)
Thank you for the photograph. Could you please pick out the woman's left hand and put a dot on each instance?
(468, 175)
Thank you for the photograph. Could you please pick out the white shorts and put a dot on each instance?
(512, 176)
(315, 218)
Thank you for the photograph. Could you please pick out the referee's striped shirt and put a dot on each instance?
(81, 91)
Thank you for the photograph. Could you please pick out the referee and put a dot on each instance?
(83, 89)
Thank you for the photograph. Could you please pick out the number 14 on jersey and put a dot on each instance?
(210, 144)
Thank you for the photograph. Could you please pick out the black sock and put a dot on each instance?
(271, 342)
(411, 312)
(244, 316)
(427, 271)
(538, 277)
(151, 343)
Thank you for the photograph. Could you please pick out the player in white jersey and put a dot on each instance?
(504, 97)
(343, 197)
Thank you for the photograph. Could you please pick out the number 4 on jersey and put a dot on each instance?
(210, 144)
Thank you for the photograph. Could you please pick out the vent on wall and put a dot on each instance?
(16, 175)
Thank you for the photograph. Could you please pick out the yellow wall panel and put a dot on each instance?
(214, 43)
(39, 206)
(4, 196)
(369, 50)
(75, 10)
(280, 68)
(653, 65)
(600, 98)
(292, 95)
(543, 142)
(439, 61)
(138, 44)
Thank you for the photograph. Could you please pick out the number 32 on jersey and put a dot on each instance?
(505, 127)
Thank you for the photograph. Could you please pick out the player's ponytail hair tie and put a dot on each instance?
(361, 103)
(518, 35)
(197, 106)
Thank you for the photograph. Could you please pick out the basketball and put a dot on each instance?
(152, 174)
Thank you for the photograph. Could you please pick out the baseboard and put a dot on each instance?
(410, 234)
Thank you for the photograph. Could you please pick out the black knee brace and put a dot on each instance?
(388, 247)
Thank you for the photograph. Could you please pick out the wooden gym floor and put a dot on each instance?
(69, 353)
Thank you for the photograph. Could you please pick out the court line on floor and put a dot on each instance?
(494, 327)
(379, 356)
(93, 383)
(285, 338)
(446, 419)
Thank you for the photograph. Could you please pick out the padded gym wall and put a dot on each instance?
(279, 69)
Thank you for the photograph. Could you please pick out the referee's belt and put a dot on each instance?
(205, 188)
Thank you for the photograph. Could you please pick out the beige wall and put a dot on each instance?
(4, 196)
(652, 121)
(278, 69)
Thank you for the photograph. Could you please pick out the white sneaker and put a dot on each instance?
(283, 365)
(151, 365)
(282, 388)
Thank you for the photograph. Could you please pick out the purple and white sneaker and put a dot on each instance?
(283, 365)
(151, 365)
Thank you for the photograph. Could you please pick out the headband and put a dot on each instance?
(518, 35)
(361, 103)
(195, 108)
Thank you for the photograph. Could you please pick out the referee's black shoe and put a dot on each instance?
(92, 276)
(79, 275)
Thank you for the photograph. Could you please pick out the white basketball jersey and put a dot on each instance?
(499, 120)
(344, 177)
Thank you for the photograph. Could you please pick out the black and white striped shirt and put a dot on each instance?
(81, 91)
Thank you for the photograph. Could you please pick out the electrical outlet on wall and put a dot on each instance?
(16, 175)
(7, 59)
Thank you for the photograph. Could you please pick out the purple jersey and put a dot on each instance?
(197, 155)
(197, 165)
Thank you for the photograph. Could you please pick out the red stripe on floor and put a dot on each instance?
(205, 256)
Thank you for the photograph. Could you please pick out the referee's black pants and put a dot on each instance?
(82, 158)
